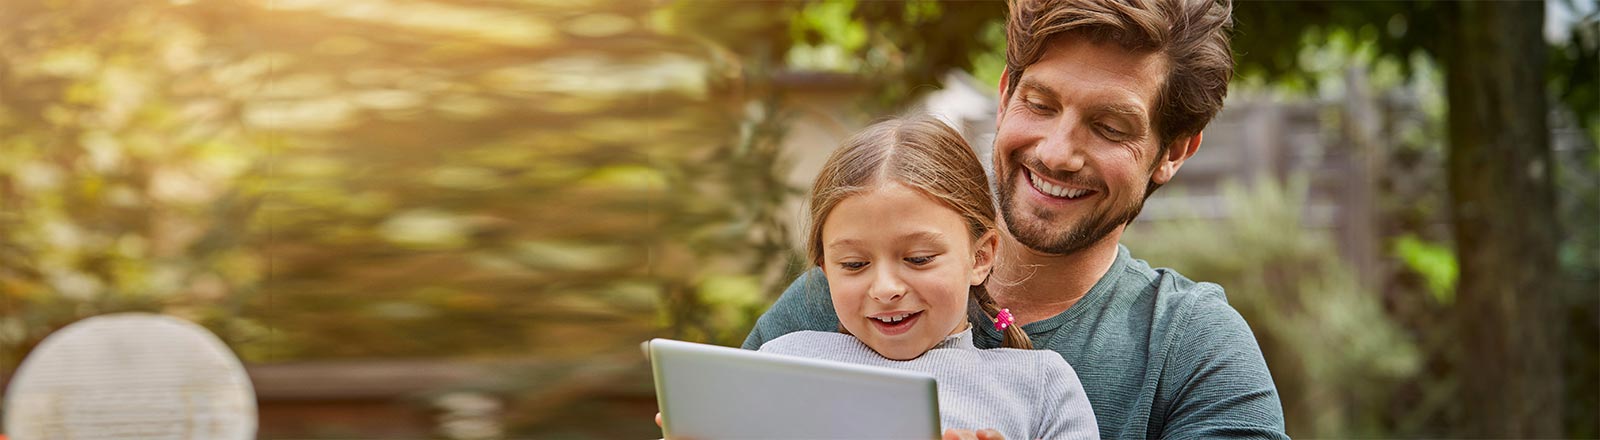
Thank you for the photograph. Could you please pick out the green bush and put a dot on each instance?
(1334, 352)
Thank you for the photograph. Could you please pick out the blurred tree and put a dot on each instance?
(430, 166)
(120, 150)
(383, 179)
(1501, 180)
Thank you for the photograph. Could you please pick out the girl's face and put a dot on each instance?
(899, 265)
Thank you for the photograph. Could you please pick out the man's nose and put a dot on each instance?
(1061, 148)
(886, 285)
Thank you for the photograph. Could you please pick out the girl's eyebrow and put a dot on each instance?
(922, 236)
(844, 242)
(918, 236)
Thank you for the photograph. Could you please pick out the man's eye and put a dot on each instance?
(853, 265)
(1037, 107)
(920, 260)
(1112, 132)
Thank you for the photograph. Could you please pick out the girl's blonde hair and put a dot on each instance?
(919, 152)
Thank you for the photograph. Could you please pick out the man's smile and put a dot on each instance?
(1055, 190)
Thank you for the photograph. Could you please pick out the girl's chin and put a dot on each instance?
(903, 348)
(899, 353)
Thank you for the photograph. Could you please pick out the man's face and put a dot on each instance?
(1075, 147)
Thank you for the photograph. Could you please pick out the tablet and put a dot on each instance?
(712, 392)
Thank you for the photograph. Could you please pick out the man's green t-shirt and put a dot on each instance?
(1160, 356)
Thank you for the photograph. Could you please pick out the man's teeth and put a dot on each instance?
(1056, 190)
(895, 318)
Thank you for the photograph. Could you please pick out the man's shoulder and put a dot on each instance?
(1174, 294)
(805, 305)
(804, 341)
(1194, 314)
(1185, 311)
(1044, 365)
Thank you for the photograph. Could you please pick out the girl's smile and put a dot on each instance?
(895, 323)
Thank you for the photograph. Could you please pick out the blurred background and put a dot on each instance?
(459, 218)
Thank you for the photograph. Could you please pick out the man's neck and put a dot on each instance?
(1037, 286)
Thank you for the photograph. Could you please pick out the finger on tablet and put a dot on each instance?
(960, 434)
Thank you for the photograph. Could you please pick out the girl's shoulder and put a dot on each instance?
(1034, 361)
(808, 341)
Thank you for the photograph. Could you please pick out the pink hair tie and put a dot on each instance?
(1003, 320)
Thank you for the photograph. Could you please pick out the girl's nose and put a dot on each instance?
(887, 286)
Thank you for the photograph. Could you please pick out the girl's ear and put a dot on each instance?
(983, 254)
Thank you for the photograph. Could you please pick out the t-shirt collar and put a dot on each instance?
(1098, 295)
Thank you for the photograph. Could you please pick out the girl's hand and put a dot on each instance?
(967, 434)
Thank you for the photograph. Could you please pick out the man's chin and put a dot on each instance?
(1036, 235)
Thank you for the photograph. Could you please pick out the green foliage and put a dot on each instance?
(118, 188)
(421, 179)
(1269, 41)
(1272, 43)
(901, 48)
(434, 180)
(1334, 352)
(1436, 263)
(829, 23)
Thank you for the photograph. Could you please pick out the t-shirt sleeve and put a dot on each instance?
(805, 305)
(1224, 389)
(1066, 411)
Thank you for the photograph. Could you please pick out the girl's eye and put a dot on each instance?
(920, 260)
(853, 265)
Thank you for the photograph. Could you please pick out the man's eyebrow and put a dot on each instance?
(1121, 109)
(1039, 87)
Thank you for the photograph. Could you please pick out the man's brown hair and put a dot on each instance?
(1193, 34)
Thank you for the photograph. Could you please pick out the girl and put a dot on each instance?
(903, 226)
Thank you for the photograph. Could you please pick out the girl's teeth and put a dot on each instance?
(893, 318)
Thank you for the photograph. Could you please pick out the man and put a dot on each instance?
(1101, 104)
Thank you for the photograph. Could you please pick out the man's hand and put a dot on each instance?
(967, 434)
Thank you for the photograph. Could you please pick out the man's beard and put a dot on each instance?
(1049, 235)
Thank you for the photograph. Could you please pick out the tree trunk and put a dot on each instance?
(1502, 197)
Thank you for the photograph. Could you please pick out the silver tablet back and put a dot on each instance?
(709, 392)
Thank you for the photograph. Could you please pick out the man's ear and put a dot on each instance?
(1000, 106)
(983, 253)
(1180, 150)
